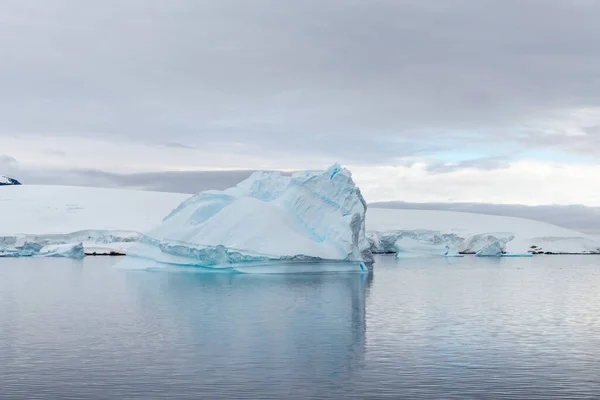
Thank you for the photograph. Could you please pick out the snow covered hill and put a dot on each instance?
(470, 233)
(105, 220)
(64, 209)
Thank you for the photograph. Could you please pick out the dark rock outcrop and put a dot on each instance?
(6, 181)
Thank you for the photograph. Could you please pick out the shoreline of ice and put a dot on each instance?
(449, 232)
(111, 222)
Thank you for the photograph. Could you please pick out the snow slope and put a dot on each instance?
(64, 209)
(470, 233)
(104, 220)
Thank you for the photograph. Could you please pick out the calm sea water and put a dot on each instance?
(436, 329)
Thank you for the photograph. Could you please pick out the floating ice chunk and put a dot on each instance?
(409, 247)
(33, 249)
(93, 242)
(383, 242)
(476, 243)
(494, 249)
(69, 250)
(268, 217)
(419, 242)
(26, 249)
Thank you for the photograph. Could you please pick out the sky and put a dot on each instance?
(453, 101)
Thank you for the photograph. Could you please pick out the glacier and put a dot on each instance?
(449, 233)
(315, 218)
(428, 243)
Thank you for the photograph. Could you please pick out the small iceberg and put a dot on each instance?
(26, 249)
(414, 243)
(494, 249)
(410, 247)
(69, 250)
(34, 249)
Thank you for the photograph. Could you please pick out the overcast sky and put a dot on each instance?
(479, 101)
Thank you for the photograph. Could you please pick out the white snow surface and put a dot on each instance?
(473, 232)
(112, 220)
(4, 180)
(31, 209)
(104, 220)
(269, 216)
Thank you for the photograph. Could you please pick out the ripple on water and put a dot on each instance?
(437, 328)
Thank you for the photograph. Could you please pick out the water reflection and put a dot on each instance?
(456, 328)
(308, 326)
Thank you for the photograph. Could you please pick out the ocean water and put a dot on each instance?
(415, 328)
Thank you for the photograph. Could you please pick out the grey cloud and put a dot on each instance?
(177, 182)
(354, 80)
(488, 163)
(7, 162)
(576, 217)
(179, 146)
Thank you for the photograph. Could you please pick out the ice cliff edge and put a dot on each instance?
(267, 217)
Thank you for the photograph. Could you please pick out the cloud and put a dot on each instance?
(520, 182)
(365, 75)
(7, 161)
(174, 181)
(487, 163)
(495, 101)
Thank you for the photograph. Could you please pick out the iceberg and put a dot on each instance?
(26, 249)
(314, 217)
(470, 233)
(494, 249)
(35, 249)
(69, 250)
(486, 243)
(383, 242)
(409, 247)
(413, 243)
(92, 242)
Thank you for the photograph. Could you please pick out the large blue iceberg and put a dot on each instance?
(269, 219)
